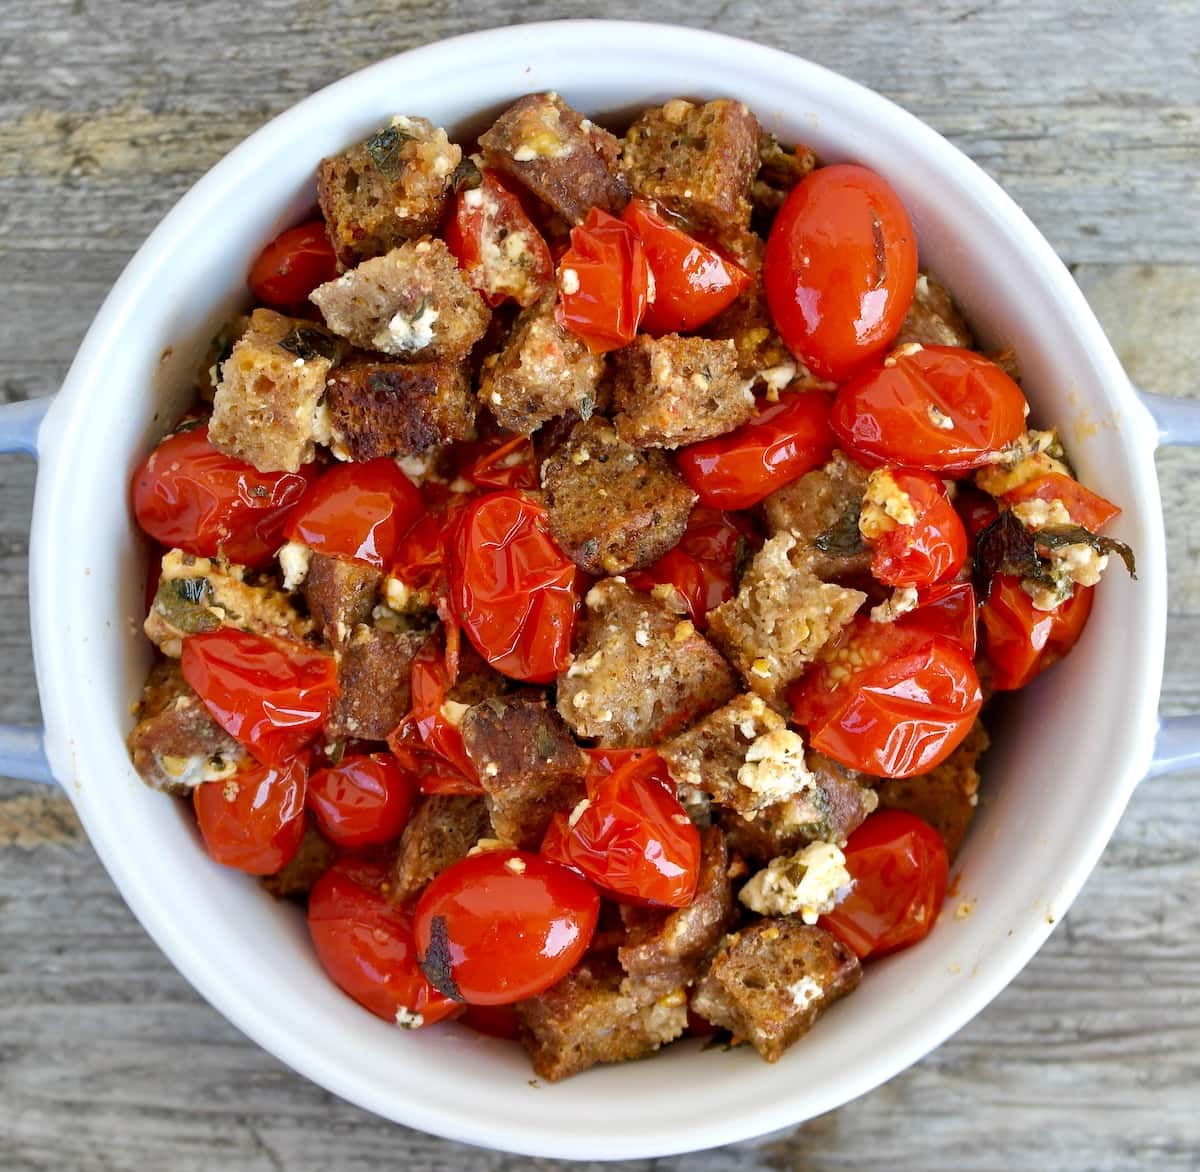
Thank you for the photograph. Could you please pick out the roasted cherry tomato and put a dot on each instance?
(366, 945)
(362, 800)
(497, 1021)
(692, 282)
(930, 548)
(900, 869)
(937, 407)
(946, 608)
(513, 589)
(293, 265)
(977, 510)
(421, 555)
(269, 695)
(503, 462)
(702, 566)
(188, 495)
(1022, 641)
(254, 820)
(357, 511)
(502, 926)
(632, 839)
(497, 245)
(1086, 508)
(603, 281)
(603, 762)
(891, 702)
(840, 269)
(783, 440)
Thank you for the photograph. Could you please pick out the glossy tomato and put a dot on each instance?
(931, 548)
(254, 820)
(1021, 640)
(293, 265)
(1086, 508)
(366, 945)
(362, 800)
(889, 701)
(270, 695)
(603, 283)
(946, 608)
(692, 282)
(502, 462)
(189, 495)
(936, 407)
(502, 926)
(783, 441)
(900, 869)
(421, 555)
(512, 588)
(977, 510)
(840, 269)
(357, 511)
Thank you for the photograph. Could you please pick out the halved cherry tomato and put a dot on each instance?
(502, 926)
(513, 589)
(900, 869)
(1023, 641)
(888, 701)
(783, 441)
(840, 269)
(362, 800)
(946, 608)
(254, 820)
(702, 566)
(366, 945)
(930, 549)
(633, 839)
(1087, 508)
(269, 695)
(497, 1021)
(293, 265)
(692, 282)
(497, 245)
(189, 495)
(503, 462)
(938, 408)
(603, 283)
(357, 511)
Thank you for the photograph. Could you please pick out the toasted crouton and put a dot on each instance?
(640, 672)
(441, 831)
(779, 170)
(340, 594)
(933, 318)
(412, 302)
(312, 859)
(771, 981)
(477, 680)
(373, 683)
(612, 508)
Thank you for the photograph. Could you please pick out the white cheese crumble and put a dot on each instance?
(885, 505)
(568, 281)
(804, 992)
(579, 811)
(453, 711)
(775, 768)
(396, 594)
(903, 600)
(294, 559)
(516, 865)
(192, 771)
(808, 883)
(939, 418)
(1038, 514)
(407, 334)
(406, 1019)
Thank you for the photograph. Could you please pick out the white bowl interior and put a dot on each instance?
(1055, 784)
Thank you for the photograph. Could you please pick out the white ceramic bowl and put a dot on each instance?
(1070, 753)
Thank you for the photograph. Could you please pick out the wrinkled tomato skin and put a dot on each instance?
(366, 945)
(900, 871)
(512, 588)
(783, 441)
(361, 801)
(932, 548)
(358, 512)
(189, 496)
(503, 462)
(1087, 508)
(947, 608)
(890, 412)
(272, 697)
(501, 926)
(1022, 641)
(292, 266)
(840, 269)
(421, 555)
(254, 821)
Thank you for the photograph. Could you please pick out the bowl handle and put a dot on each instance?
(22, 750)
(1177, 419)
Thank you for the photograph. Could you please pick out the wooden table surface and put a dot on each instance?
(110, 109)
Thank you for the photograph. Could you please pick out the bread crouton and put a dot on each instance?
(312, 859)
(441, 831)
(612, 508)
(696, 161)
(640, 672)
(566, 160)
(933, 318)
(540, 372)
(772, 980)
(781, 616)
(477, 680)
(672, 391)
(528, 765)
(176, 744)
(779, 170)
(412, 302)
(340, 594)
(391, 187)
(588, 1019)
(373, 669)
(265, 410)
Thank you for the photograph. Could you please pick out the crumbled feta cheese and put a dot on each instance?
(407, 334)
(1031, 454)
(516, 865)
(396, 594)
(294, 559)
(1037, 514)
(885, 505)
(904, 351)
(473, 198)
(939, 418)
(775, 768)
(407, 1020)
(489, 844)
(579, 811)
(804, 992)
(808, 883)
(778, 377)
(192, 771)
(568, 281)
(903, 599)
(453, 711)
(416, 468)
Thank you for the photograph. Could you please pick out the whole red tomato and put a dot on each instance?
(1086, 508)
(292, 266)
(362, 800)
(932, 547)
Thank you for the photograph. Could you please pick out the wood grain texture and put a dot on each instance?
(110, 109)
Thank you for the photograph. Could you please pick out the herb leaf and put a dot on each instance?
(1060, 535)
(309, 342)
(1006, 547)
(467, 175)
(384, 147)
(192, 589)
(843, 537)
(435, 964)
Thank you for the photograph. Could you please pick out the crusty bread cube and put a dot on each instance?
(443, 828)
(312, 859)
(373, 683)
(933, 318)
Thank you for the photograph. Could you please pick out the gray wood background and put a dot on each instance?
(110, 109)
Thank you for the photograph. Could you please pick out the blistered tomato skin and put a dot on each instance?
(362, 800)
(945, 608)
(932, 548)
(292, 266)
(502, 926)
(840, 269)
(1086, 508)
